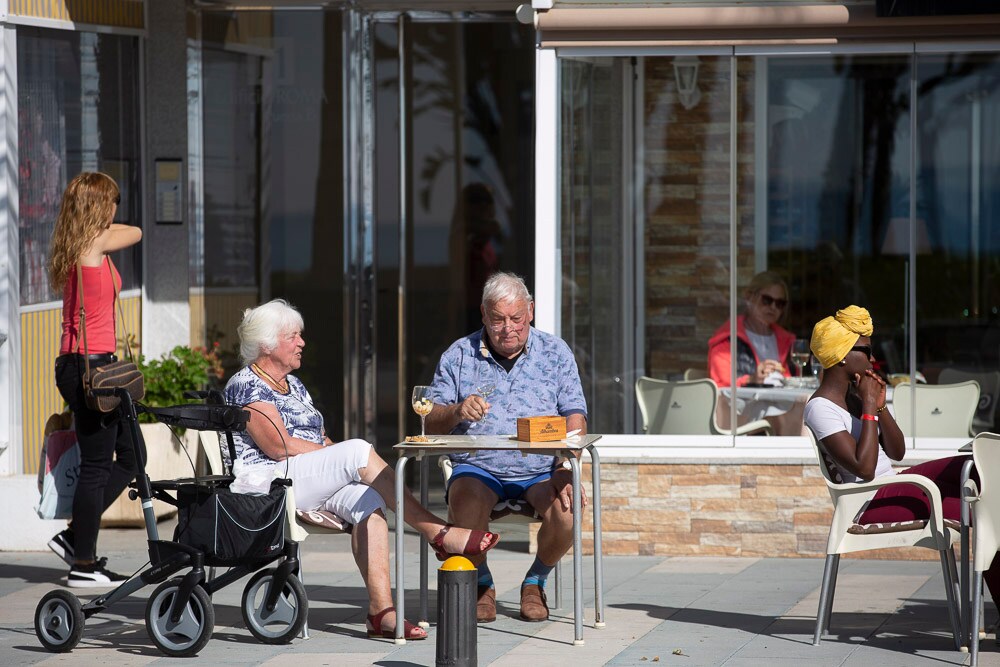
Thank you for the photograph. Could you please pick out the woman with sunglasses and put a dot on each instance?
(762, 346)
(855, 430)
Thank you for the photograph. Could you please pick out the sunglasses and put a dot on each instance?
(766, 300)
(866, 349)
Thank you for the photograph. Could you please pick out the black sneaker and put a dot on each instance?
(62, 545)
(93, 575)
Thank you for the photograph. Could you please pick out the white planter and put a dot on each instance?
(165, 459)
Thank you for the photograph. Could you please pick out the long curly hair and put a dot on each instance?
(87, 209)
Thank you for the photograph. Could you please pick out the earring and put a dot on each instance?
(842, 362)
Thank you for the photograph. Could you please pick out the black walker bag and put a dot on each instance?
(231, 528)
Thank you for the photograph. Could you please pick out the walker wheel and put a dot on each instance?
(191, 631)
(281, 624)
(59, 621)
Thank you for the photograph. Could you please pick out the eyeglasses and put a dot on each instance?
(767, 300)
(866, 349)
(515, 323)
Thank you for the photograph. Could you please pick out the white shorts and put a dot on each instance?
(328, 479)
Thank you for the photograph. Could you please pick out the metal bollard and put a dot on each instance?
(456, 624)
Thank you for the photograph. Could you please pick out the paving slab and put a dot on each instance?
(687, 611)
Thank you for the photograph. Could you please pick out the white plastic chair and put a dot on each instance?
(685, 408)
(986, 512)
(299, 525)
(512, 512)
(848, 537)
(942, 410)
(989, 392)
(695, 374)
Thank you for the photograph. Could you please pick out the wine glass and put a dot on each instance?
(422, 405)
(800, 356)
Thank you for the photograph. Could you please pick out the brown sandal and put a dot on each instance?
(472, 547)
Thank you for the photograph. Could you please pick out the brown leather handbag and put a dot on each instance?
(120, 373)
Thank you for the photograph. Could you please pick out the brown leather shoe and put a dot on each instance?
(533, 605)
(486, 605)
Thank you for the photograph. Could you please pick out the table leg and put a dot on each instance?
(423, 620)
(966, 613)
(577, 556)
(595, 468)
(400, 532)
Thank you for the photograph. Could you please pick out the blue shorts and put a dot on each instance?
(509, 490)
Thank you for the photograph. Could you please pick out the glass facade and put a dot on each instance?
(78, 110)
(292, 211)
(857, 178)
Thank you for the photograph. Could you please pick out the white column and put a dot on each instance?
(548, 253)
(10, 290)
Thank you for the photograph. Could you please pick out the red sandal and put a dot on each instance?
(472, 547)
(373, 623)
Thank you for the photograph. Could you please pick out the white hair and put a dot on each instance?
(262, 325)
(503, 287)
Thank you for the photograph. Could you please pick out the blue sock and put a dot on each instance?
(537, 574)
(485, 576)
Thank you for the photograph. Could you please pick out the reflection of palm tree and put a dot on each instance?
(460, 85)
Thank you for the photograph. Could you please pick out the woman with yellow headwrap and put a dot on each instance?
(852, 425)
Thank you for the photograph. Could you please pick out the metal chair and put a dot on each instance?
(685, 408)
(847, 537)
(942, 410)
(986, 510)
(989, 391)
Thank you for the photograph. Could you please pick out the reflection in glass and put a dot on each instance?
(470, 210)
(78, 110)
(273, 175)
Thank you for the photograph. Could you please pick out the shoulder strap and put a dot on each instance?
(83, 320)
(121, 313)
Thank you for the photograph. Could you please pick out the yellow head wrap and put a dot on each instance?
(833, 337)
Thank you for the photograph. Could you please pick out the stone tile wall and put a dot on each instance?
(715, 509)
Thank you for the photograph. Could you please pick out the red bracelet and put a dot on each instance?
(870, 418)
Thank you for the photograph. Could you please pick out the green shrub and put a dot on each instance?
(182, 369)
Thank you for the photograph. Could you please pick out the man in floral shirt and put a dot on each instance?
(482, 384)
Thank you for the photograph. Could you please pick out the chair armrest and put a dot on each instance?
(923, 483)
(445, 464)
(754, 427)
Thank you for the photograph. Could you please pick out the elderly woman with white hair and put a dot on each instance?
(347, 478)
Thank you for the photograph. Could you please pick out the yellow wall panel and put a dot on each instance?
(119, 13)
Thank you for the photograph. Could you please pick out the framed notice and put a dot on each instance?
(169, 199)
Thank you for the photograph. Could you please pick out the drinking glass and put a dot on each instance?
(800, 355)
(486, 384)
(422, 405)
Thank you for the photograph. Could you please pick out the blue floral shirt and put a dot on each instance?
(301, 419)
(543, 381)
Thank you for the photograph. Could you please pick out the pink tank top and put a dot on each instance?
(99, 301)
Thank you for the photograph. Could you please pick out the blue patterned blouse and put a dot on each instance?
(301, 419)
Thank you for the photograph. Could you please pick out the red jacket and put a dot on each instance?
(720, 353)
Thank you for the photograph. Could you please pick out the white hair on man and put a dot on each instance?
(262, 325)
(504, 287)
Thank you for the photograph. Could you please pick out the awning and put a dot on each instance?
(581, 26)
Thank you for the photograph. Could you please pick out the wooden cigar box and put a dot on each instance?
(541, 429)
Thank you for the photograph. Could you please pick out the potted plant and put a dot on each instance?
(182, 369)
